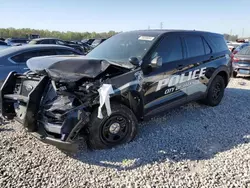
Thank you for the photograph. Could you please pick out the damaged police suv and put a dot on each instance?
(104, 94)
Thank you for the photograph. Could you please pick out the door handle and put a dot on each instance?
(26, 68)
(180, 67)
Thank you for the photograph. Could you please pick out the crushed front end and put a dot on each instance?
(53, 112)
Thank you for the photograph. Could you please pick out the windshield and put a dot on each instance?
(121, 47)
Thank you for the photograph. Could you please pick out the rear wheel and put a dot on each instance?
(118, 128)
(215, 91)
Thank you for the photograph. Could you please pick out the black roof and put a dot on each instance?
(157, 32)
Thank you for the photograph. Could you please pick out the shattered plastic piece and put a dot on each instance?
(104, 93)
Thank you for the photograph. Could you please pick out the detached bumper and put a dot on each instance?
(67, 146)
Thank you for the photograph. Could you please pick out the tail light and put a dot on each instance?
(235, 60)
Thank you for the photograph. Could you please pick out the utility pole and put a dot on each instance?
(149, 27)
(161, 25)
(243, 32)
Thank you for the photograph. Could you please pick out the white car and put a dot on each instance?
(232, 45)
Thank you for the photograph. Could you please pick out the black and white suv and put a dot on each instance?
(105, 94)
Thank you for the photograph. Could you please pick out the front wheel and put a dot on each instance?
(215, 91)
(118, 128)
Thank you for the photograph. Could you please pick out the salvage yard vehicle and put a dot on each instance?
(104, 94)
(241, 62)
(16, 41)
(14, 58)
(56, 41)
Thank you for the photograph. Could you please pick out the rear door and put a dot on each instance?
(198, 55)
(162, 87)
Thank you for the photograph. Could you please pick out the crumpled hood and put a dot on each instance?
(70, 68)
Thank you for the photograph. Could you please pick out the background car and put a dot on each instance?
(240, 47)
(58, 42)
(16, 41)
(241, 62)
(14, 58)
(97, 42)
(3, 45)
(88, 41)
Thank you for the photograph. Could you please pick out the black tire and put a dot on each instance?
(99, 131)
(234, 74)
(215, 91)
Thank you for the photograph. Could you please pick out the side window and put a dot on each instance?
(194, 46)
(2, 43)
(22, 58)
(46, 52)
(207, 47)
(218, 43)
(169, 49)
(51, 41)
(66, 52)
(45, 42)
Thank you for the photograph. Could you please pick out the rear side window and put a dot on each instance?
(66, 52)
(46, 52)
(169, 49)
(194, 45)
(219, 43)
(207, 47)
(45, 42)
(23, 57)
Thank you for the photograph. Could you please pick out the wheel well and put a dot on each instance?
(224, 75)
(132, 101)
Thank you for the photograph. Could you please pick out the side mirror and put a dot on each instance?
(156, 62)
(134, 61)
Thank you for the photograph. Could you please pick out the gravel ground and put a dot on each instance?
(190, 146)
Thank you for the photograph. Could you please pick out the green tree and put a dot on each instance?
(69, 35)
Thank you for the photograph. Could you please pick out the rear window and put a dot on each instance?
(194, 46)
(245, 51)
(218, 43)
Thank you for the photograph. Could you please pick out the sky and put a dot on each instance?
(221, 16)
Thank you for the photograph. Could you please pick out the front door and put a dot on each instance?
(162, 85)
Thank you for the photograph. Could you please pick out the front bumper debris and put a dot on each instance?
(22, 97)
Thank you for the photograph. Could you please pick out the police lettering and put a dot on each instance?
(178, 79)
